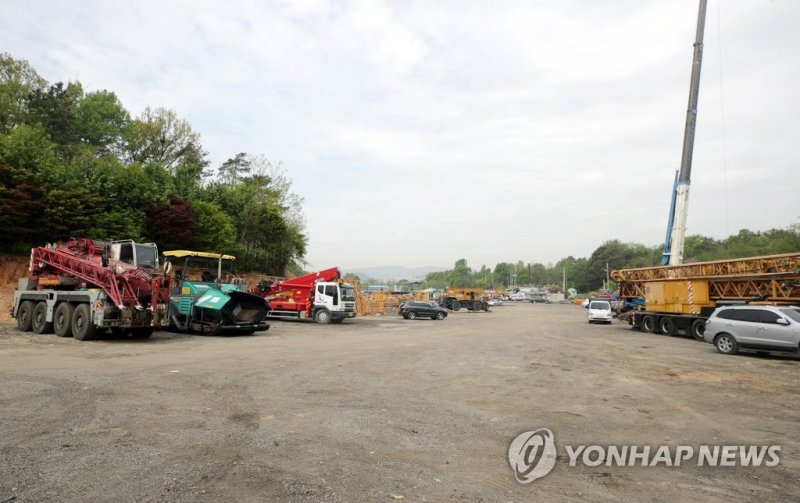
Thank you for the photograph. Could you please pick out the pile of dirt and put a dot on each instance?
(12, 267)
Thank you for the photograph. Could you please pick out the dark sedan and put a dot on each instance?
(412, 310)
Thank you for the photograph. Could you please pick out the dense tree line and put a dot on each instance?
(587, 274)
(75, 163)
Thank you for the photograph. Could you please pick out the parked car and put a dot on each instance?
(762, 328)
(539, 299)
(414, 309)
(494, 302)
(599, 310)
(517, 296)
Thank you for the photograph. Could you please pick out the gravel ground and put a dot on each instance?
(385, 409)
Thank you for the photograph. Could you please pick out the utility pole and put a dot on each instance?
(607, 282)
(564, 280)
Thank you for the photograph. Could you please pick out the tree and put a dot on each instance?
(102, 121)
(461, 276)
(171, 225)
(17, 81)
(214, 230)
(21, 209)
(54, 108)
(234, 170)
(158, 136)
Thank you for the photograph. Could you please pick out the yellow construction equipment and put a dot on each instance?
(674, 298)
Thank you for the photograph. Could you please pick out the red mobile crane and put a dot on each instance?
(82, 286)
(318, 296)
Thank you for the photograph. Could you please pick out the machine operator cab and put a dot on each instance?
(144, 255)
(196, 271)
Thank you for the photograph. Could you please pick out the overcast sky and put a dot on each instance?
(421, 132)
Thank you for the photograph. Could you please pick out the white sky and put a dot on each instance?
(422, 132)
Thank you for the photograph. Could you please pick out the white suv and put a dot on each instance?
(762, 328)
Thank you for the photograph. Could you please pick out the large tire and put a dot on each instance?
(648, 324)
(455, 306)
(666, 326)
(25, 316)
(439, 316)
(323, 317)
(726, 344)
(477, 306)
(39, 321)
(83, 328)
(62, 319)
(698, 329)
(412, 315)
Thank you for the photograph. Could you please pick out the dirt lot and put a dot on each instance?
(384, 409)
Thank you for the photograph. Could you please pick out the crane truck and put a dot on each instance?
(456, 298)
(82, 287)
(682, 297)
(206, 302)
(318, 296)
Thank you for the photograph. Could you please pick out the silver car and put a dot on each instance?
(761, 328)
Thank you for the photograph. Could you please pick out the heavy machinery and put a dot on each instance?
(212, 303)
(82, 287)
(682, 297)
(468, 298)
(679, 207)
(318, 296)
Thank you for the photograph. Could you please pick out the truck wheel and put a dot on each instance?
(83, 328)
(141, 332)
(25, 316)
(726, 344)
(39, 321)
(477, 306)
(698, 329)
(322, 317)
(455, 306)
(666, 326)
(62, 319)
(648, 324)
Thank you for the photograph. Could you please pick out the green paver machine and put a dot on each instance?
(207, 298)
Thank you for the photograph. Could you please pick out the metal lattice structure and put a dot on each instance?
(773, 278)
(123, 285)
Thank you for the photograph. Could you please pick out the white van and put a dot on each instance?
(599, 310)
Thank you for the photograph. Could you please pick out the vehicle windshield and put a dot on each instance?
(794, 314)
(599, 305)
(348, 293)
(147, 256)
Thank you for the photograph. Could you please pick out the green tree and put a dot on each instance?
(158, 136)
(214, 230)
(101, 121)
(18, 80)
(461, 276)
(54, 108)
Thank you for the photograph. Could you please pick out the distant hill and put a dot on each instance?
(392, 272)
